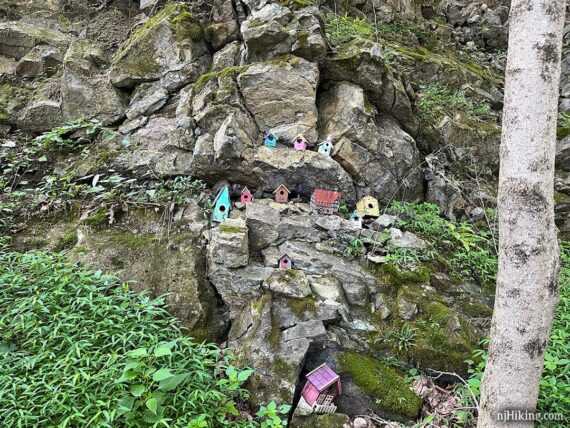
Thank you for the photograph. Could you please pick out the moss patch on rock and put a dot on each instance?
(383, 383)
(300, 307)
(332, 420)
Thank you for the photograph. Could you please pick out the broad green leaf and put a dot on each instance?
(152, 405)
(138, 390)
(162, 374)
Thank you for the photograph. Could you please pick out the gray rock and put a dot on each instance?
(7, 65)
(229, 245)
(406, 239)
(281, 96)
(261, 221)
(563, 154)
(382, 159)
(146, 99)
(226, 57)
(224, 27)
(383, 222)
(164, 48)
(41, 115)
(313, 330)
(381, 306)
(336, 224)
(288, 283)
(327, 287)
(407, 309)
(19, 38)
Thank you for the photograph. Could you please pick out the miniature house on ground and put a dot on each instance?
(222, 205)
(325, 201)
(326, 147)
(322, 386)
(269, 139)
(281, 194)
(368, 206)
(356, 219)
(285, 262)
(246, 196)
(300, 143)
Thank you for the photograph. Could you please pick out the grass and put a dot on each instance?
(437, 100)
(77, 348)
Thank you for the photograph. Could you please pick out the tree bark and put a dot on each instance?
(527, 282)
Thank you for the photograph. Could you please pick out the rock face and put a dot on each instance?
(169, 47)
(281, 96)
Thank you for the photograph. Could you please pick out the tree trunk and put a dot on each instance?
(527, 282)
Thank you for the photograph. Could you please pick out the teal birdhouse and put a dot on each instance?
(269, 139)
(356, 219)
(221, 206)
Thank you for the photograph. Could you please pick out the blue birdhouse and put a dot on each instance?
(221, 206)
(356, 219)
(326, 147)
(269, 139)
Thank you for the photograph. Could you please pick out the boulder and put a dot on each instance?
(85, 89)
(288, 283)
(147, 98)
(563, 154)
(261, 221)
(281, 94)
(229, 245)
(382, 159)
(169, 47)
(224, 27)
(406, 240)
(19, 38)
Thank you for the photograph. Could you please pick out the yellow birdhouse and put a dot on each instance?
(368, 206)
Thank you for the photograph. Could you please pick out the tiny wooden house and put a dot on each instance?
(356, 219)
(222, 206)
(325, 201)
(300, 143)
(246, 196)
(269, 139)
(282, 194)
(326, 147)
(285, 262)
(322, 386)
(368, 206)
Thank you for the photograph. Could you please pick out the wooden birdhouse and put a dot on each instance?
(356, 219)
(246, 196)
(282, 194)
(222, 206)
(322, 386)
(368, 206)
(325, 201)
(300, 143)
(285, 262)
(269, 139)
(326, 147)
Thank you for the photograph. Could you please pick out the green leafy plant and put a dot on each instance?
(271, 416)
(356, 248)
(341, 29)
(77, 348)
(436, 100)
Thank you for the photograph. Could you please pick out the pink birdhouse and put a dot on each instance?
(322, 386)
(281, 194)
(300, 143)
(285, 262)
(246, 196)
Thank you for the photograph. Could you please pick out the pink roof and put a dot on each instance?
(322, 377)
(325, 197)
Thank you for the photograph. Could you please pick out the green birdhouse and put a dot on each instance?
(221, 206)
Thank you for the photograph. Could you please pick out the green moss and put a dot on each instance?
(226, 228)
(275, 334)
(396, 277)
(382, 383)
(331, 420)
(130, 240)
(98, 218)
(300, 307)
(186, 26)
(70, 239)
(226, 73)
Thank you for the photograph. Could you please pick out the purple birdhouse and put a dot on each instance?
(300, 143)
(322, 386)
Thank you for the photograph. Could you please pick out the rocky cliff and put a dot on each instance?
(173, 99)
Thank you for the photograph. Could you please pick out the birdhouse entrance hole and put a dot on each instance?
(222, 208)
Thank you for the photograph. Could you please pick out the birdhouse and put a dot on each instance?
(322, 386)
(222, 205)
(326, 147)
(368, 206)
(285, 262)
(300, 143)
(325, 201)
(269, 139)
(356, 219)
(246, 196)
(281, 194)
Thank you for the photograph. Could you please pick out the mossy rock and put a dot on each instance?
(385, 384)
(332, 420)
